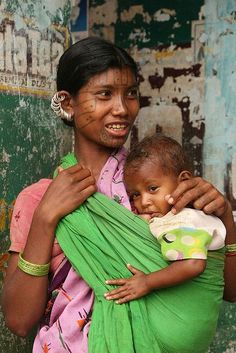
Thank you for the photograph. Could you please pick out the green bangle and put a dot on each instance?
(230, 247)
(32, 269)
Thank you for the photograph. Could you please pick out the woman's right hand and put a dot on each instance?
(68, 191)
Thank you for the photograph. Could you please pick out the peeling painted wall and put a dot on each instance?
(33, 35)
(159, 37)
(220, 137)
(219, 153)
(186, 52)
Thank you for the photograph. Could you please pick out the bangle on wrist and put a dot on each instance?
(32, 269)
(230, 248)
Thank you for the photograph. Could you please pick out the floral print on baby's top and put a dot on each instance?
(188, 234)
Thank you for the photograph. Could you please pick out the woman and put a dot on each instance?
(98, 94)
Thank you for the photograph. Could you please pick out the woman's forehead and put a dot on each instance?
(113, 77)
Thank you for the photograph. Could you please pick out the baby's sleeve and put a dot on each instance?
(188, 235)
(184, 243)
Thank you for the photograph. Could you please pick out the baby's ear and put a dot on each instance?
(184, 175)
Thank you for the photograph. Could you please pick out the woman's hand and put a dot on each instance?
(201, 194)
(67, 192)
(130, 288)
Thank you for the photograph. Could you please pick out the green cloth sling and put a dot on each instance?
(99, 239)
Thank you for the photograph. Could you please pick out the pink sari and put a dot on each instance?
(67, 319)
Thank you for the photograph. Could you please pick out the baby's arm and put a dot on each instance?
(141, 284)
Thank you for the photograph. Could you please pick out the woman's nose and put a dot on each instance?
(119, 107)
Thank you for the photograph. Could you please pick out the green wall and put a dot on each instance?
(33, 35)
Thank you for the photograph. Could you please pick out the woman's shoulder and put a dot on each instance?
(24, 207)
(30, 196)
(36, 190)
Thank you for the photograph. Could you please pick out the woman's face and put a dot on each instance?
(105, 108)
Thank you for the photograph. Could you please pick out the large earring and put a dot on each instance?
(57, 108)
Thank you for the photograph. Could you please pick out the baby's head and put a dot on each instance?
(153, 169)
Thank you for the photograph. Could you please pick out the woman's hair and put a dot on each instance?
(162, 149)
(88, 57)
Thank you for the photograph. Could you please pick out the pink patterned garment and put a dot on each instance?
(68, 315)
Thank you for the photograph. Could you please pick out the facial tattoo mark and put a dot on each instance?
(120, 79)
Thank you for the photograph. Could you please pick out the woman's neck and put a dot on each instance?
(92, 156)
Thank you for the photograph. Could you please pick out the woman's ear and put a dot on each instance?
(66, 103)
(184, 175)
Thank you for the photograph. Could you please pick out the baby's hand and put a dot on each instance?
(130, 288)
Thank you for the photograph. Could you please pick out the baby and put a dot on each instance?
(153, 169)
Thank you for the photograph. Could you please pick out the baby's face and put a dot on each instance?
(147, 187)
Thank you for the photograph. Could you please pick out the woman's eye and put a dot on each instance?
(104, 94)
(133, 93)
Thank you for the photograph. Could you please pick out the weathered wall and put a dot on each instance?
(220, 104)
(33, 35)
(186, 52)
(219, 152)
(159, 37)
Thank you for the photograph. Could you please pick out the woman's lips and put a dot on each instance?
(117, 129)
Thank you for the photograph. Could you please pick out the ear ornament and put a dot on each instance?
(57, 108)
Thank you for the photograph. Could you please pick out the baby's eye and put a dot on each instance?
(134, 195)
(153, 188)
